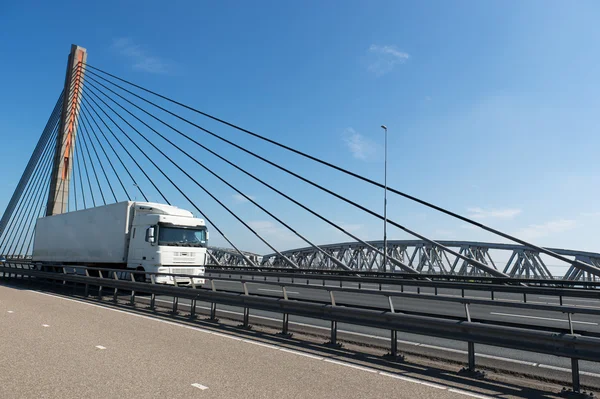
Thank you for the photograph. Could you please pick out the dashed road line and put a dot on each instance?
(200, 386)
(100, 347)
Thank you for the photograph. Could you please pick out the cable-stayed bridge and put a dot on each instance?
(108, 139)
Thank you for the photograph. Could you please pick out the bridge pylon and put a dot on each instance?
(58, 196)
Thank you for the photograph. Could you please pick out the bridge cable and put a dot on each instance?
(15, 222)
(26, 176)
(85, 127)
(85, 115)
(335, 260)
(37, 192)
(182, 170)
(473, 262)
(84, 98)
(590, 268)
(87, 151)
(191, 202)
(24, 199)
(82, 157)
(39, 204)
(290, 262)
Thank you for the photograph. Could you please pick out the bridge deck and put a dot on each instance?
(55, 347)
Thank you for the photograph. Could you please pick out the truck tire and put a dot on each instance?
(139, 277)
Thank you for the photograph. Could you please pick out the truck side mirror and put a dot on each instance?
(206, 235)
(150, 237)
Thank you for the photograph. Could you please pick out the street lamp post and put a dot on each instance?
(384, 127)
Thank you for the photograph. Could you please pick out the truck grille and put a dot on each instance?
(181, 270)
(184, 257)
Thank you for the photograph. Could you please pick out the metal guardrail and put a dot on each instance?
(565, 344)
(493, 286)
(406, 276)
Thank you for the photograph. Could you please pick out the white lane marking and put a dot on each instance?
(100, 347)
(542, 318)
(9, 311)
(441, 348)
(45, 325)
(506, 359)
(301, 354)
(413, 380)
(354, 366)
(200, 386)
(471, 394)
(260, 344)
(278, 291)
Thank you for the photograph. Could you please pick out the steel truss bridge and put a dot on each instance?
(518, 261)
(109, 140)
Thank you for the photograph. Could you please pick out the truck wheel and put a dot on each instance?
(139, 277)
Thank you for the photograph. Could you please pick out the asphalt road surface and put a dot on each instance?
(581, 323)
(55, 347)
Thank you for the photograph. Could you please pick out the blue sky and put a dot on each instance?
(492, 107)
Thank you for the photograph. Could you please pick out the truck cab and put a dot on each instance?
(166, 239)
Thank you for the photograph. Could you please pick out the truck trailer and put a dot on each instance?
(141, 236)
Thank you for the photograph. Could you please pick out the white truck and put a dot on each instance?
(140, 236)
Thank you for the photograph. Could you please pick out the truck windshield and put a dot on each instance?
(181, 237)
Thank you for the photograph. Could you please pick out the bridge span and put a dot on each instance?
(514, 260)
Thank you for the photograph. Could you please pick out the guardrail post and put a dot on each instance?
(193, 309)
(471, 352)
(175, 303)
(394, 346)
(286, 317)
(86, 292)
(246, 323)
(333, 339)
(471, 349)
(100, 287)
(132, 296)
(213, 305)
(286, 320)
(152, 295)
(116, 277)
(246, 318)
(575, 374)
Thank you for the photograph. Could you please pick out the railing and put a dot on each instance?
(559, 342)
(388, 277)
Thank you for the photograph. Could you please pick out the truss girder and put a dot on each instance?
(425, 258)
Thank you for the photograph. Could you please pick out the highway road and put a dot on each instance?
(58, 347)
(584, 324)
